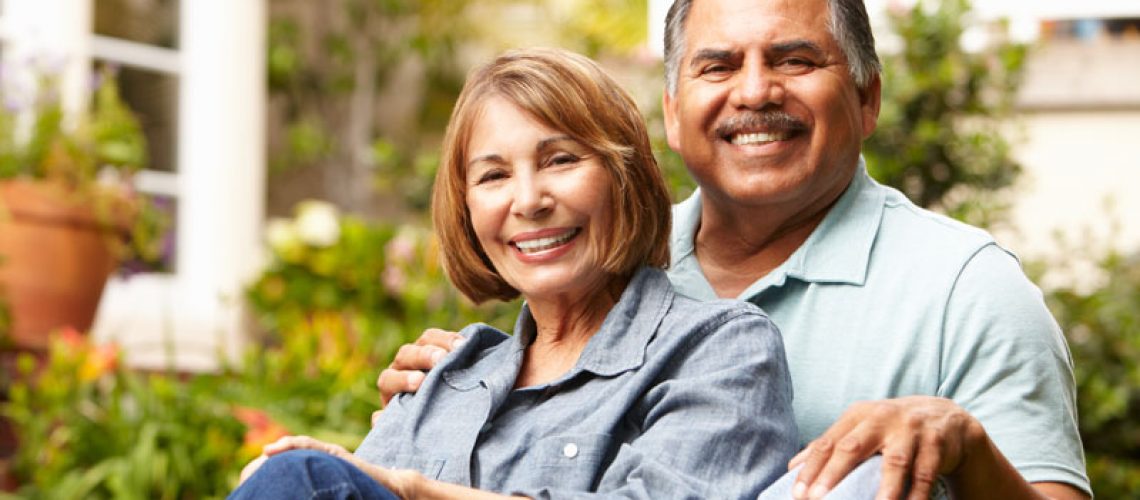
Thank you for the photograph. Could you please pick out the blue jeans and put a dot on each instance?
(312, 475)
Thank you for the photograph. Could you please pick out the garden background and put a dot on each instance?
(358, 94)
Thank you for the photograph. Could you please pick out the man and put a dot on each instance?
(960, 369)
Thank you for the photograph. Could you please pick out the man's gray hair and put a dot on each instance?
(847, 21)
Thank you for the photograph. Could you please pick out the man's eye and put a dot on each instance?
(795, 64)
(715, 68)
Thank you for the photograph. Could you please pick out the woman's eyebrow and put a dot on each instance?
(490, 157)
(551, 141)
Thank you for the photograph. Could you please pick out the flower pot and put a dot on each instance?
(55, 257)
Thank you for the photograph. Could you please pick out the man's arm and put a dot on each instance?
(1006, 412)
(920, 438)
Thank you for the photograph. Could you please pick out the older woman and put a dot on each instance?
(611, 383)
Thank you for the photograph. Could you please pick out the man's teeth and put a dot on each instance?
(540, 244)
(758, 138)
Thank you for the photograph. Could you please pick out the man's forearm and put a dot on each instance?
(986, 473)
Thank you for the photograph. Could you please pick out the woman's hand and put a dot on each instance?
(251, 467)
(401, 482)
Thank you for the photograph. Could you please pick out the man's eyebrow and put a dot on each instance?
(705, 55)
(796, 46)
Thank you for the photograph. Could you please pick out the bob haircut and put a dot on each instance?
(569, 93)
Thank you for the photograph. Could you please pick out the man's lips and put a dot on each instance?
(757, 128)
(757, 138)
(544, 240)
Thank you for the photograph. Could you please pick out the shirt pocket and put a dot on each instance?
(570, 461)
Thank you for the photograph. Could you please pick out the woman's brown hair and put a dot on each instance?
(572, 94)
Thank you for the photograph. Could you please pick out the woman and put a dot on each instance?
(611, 383)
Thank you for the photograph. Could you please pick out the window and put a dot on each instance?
(194, 72)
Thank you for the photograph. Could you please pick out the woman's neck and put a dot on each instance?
(563, 327)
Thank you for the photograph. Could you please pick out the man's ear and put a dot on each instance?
(672, 121)
(870, 99)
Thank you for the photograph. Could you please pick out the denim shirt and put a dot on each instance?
(671, 398)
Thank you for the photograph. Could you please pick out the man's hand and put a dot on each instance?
(919, 437)
(406, 372)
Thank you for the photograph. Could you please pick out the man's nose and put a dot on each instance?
(757, 86)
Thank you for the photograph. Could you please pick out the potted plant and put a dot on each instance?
(69, 214)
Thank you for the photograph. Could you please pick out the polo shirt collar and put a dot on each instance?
(838, 251)
(618, 346)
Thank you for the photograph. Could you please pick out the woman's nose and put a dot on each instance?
(532, 199)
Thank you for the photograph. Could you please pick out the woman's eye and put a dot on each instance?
(491, 176)
(563, 159)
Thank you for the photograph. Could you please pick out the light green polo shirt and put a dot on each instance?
(886, 299)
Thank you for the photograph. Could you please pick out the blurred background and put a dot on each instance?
(275, 160)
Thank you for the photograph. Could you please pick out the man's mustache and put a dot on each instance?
(750, 121)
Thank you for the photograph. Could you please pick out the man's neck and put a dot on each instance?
(737, 246)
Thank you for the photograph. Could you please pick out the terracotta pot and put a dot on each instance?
(55, 257)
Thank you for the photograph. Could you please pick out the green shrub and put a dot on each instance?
(337, 298)
(1103, 329)
(89, 428)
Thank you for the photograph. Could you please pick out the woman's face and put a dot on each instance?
(536, 197)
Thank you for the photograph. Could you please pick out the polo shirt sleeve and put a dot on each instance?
(717, 424)
(1005, 361)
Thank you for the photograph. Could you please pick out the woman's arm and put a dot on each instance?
(407, 484)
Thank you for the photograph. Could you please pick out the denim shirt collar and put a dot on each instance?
(837, 251)
(619, 344)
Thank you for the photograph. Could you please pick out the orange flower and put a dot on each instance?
(99, 361)
(261, 430)
(69, 342)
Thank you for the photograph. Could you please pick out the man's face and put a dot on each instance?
(766, 111)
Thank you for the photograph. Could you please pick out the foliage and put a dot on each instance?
(338, 297)
(93, 158)
(336, 304)
(89, 428)
(677, 177)
(938, 136)
(603, 27)
(330, 64)
(1103, 330)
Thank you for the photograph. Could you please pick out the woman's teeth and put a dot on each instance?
(540, 244)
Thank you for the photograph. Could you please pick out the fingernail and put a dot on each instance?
(436, 355)
(817, 492)
(799, 490)
(457, 343)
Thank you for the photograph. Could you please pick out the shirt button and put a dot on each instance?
(570, 450)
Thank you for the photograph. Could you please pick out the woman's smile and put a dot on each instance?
(543, 242)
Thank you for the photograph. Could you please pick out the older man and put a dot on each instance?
(908, 334)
